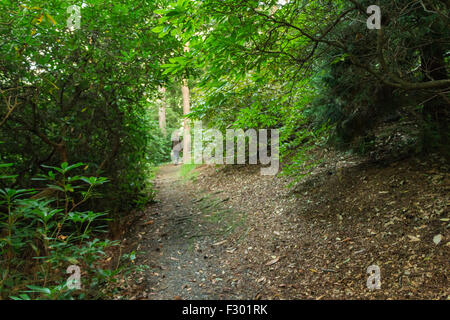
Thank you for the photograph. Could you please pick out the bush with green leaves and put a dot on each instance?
(43, 233)
(82, 95)
(302, 66)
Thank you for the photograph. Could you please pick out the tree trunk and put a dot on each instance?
(186, 110)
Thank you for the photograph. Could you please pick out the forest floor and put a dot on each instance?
(230, 233)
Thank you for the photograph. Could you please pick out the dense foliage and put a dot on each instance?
(81, 95)
(73, 95)
(303, 65)
(45, 237)
(90, 94)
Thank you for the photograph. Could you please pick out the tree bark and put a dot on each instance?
(186, 110)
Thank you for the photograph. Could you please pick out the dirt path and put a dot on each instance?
(234, 234)
(181, 243)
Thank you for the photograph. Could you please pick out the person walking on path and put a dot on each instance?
(177, 146)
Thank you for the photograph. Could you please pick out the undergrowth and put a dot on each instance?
(50, 247)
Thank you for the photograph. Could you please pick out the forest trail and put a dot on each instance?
(180, 245)
(229, 233)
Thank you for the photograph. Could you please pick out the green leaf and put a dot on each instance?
(158, 29)
(46, 291)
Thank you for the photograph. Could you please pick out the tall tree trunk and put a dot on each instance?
(186, 110)
(162, 111)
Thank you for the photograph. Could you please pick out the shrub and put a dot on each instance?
(43, 233)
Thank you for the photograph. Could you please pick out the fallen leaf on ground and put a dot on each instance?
(413, 238)
(273, 261)
(219, 243)
(437, 239)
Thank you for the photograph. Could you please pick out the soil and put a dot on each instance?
(231, 233)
